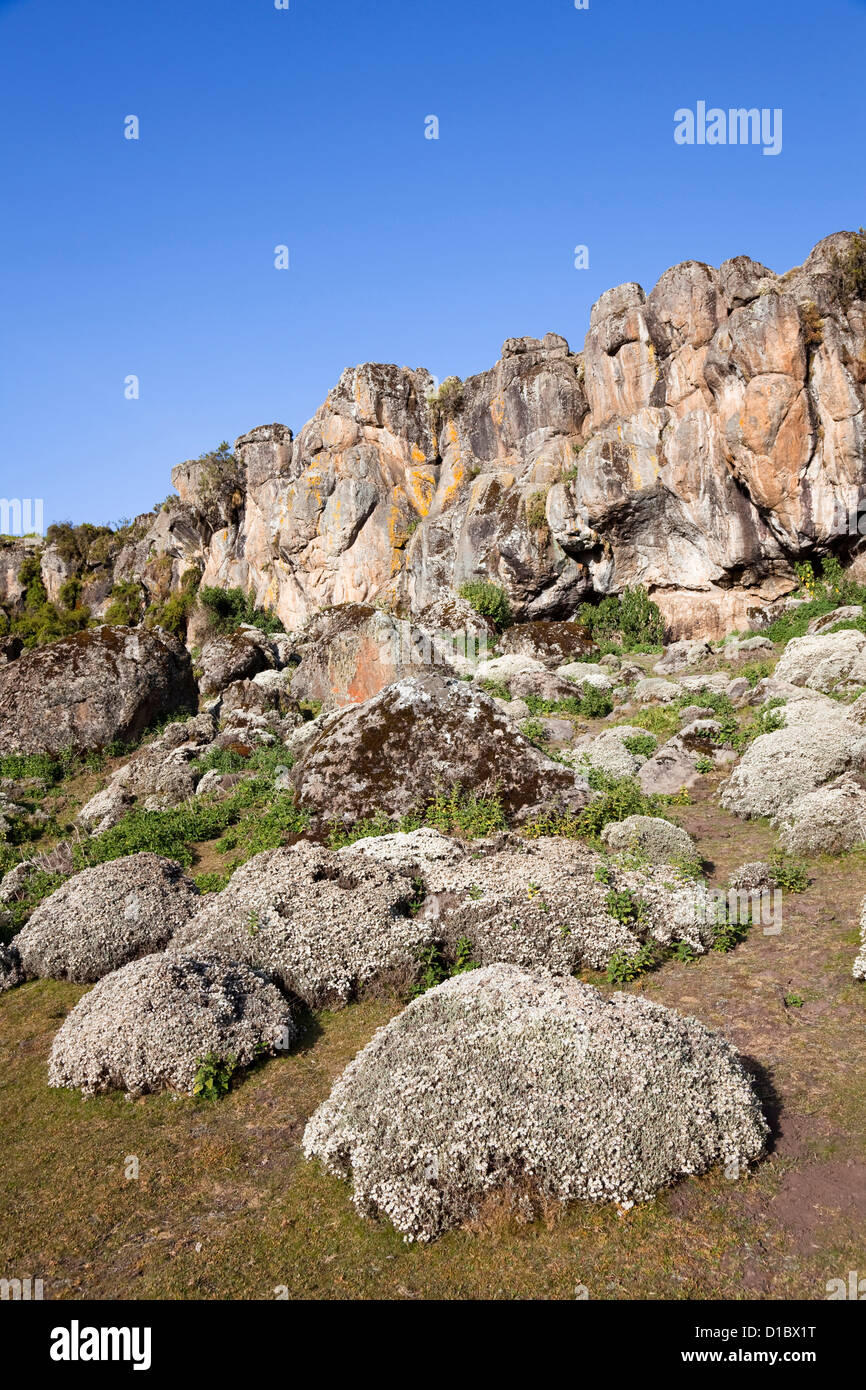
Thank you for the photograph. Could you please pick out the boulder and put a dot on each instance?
(149, 1026)
(651, 688)
(818, 743)
(753, 877)
(552, 643)
(322, 926)
(680, 656)
(103, 917)
(832, 663)
(544, 903)
(162, 774)
(608, 751)
(848, 613)
(859, 971)
(422, 734)
(504, 669)
(559, 1092)
(414, 852)
(829, 820)
(670, 770)
(748, 648)
(660, 841)
(232, 658)
(353, 651)
(101, 686)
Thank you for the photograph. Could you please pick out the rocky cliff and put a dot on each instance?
(710, 435)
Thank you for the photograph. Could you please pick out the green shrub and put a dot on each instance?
(488, 600)
(458, 812)
(623, 968)
(789, 873)
(452, 812)
(641, 745)
(448, 400)
(212, 882)
(229, 608)
(623, 906)
(591, 703)
(729, 935)
(632, 616)
(174, 614)
(498, 690)
(536, 511)
(849, 270)
(127, 604)
(213, 1076)
(435, 968)
(266, 819)
(755, 671)
(69, 594)
(534, 730)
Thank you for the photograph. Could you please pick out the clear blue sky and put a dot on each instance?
(306, 128)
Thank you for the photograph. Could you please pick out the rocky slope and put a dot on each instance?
(710, 434)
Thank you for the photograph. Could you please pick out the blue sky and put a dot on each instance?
(306, 127)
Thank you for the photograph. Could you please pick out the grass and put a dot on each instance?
(251, 818)
(225, 1206)
(619, 797)
(452, 811)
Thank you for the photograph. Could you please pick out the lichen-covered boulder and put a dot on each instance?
(659, 840)
(502, 1076)
(546, 640)
(101, 686)
(830, 820)
(754, 877)
(393, 752)
(672, 768)
(860, 961)
(321, 926)
(352, 651)
(554, 904)
(830, 662)
(609, 751)
(679, 656)
(105, 916)
(651, 688)
(411, 852)
(148, 1026)
(233, 658)
(820, 740)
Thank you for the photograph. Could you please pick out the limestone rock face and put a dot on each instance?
(422, 733)
(86, 691)
(710, 433)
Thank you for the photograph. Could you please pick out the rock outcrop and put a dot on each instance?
(709, 435)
